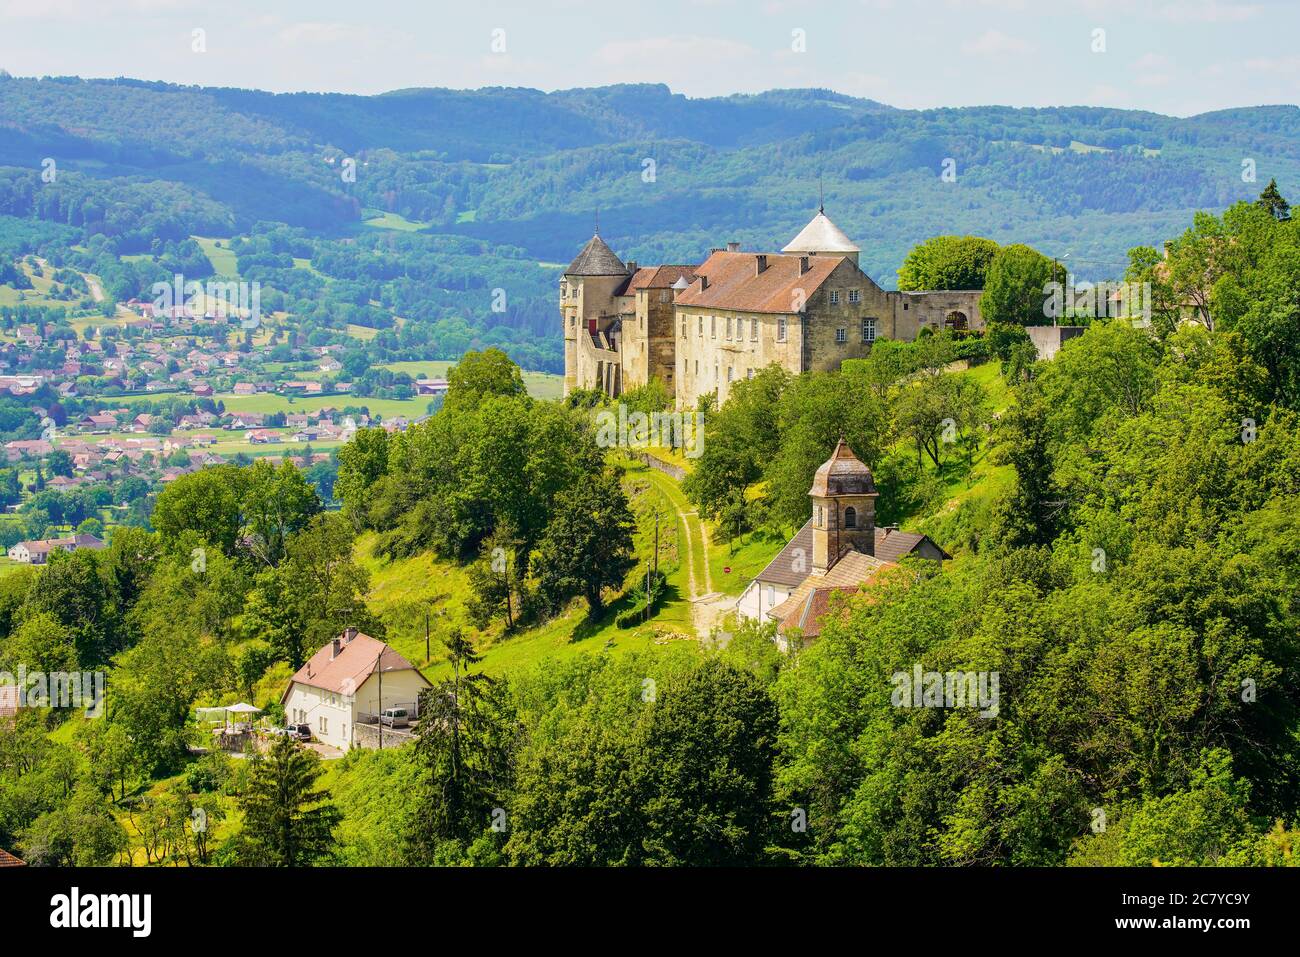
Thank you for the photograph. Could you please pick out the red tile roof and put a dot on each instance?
(347, 671)
(735, 282)
(808, 614)
(8, 860)
(658, 277)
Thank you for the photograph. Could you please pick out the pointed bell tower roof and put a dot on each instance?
(821, 236)
(596, 259)
(842, 474)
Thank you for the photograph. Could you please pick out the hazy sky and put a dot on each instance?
(1171, 56)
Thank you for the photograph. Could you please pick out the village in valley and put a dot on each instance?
(151, 395)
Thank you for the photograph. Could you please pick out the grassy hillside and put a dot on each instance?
(696, 561)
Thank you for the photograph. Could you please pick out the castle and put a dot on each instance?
(700, 328)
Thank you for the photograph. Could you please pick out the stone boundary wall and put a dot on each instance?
(367, 736)
(676, 471)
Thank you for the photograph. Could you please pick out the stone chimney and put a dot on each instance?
(631, 267)
(733, 247)
(335, 649)
(704, 283)
(760, 264)
(803, 265)
(349, 633)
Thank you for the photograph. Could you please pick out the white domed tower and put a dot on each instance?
(844, 508)
(821, 237)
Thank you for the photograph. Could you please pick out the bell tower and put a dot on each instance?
(843, 497)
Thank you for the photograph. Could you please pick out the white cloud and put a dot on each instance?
(88, 10)
(317, 32)
(1208, 11)
(662, 52)
(995, 43)
(1153, 69)
(1276, 66)
(1103, 94)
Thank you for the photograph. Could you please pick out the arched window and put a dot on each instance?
(850, 517)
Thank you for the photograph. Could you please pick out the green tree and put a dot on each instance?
(708, 756)
(1016, 286)
(315, 592)
(208, 502)
(276, 503)
(495, 581)
(1271, 200)
(362, 462)
(463, 750)
(287, 822)
(479, 375)
(947, 262)
(815, 412)
(588, 545)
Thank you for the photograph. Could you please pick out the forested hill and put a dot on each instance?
(670, 176)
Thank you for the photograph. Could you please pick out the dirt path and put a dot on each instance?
(708, 607)
(704, 537)
(690, 548)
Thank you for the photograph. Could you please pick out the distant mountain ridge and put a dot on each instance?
(670, 175)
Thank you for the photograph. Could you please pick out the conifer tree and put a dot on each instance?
(286, 822)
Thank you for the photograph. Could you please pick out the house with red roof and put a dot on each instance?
(348, 682)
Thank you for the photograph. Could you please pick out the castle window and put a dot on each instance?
(780, 329)
(728, 328)
(850, 517)
(868, 330)
(713, 327)
(841, 336)
(663, 295)
(855, 295)
(817, 516)
(753, 328)
(730, 371)
(697, 367)
(905, 307)
(771, 594)
(701, 324)
(835, 297)
(683, 328)
(750, 374)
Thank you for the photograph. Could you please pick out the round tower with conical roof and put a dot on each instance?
(587, 299)
(843, 494)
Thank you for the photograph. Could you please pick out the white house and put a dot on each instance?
(38, 552)
(341, 685)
